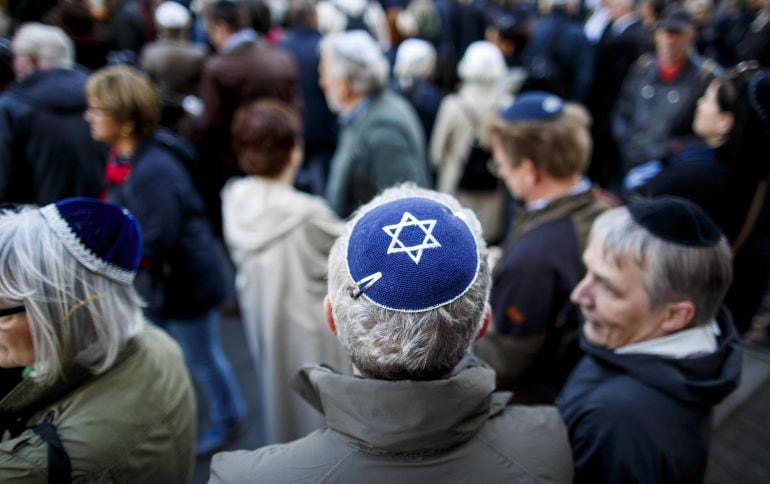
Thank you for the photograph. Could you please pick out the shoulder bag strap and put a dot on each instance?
(59, 468)
(751, 217)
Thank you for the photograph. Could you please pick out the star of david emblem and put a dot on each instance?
(414, 251)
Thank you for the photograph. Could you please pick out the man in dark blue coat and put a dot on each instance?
(559, 57)
(320, 125)
(46, 150)
(660, 353)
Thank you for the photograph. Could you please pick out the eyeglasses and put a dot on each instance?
(98, 111)
(12, 310)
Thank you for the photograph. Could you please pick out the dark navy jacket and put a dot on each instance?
(178, 253)
(645, 418)
(562, 40)
(46, 150)
(320, 123)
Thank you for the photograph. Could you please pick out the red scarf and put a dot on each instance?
(670, 72)
(116, 172)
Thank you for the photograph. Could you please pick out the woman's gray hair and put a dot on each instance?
(672, 272)
(47, 43)
(482, 63)
(356, 57)
(395, 345)
(415, 58)
(76, 317)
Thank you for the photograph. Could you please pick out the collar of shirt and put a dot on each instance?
(243, 36)
(697, 341)
(582, 186)
(354, 114)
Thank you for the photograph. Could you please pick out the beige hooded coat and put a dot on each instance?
(279, 239)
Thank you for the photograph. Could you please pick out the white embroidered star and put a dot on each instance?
(414, 251)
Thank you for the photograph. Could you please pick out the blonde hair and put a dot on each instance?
(128, 95)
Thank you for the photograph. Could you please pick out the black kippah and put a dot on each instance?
(676, 220)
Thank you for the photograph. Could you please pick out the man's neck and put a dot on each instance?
(552, 188)
(351, 103)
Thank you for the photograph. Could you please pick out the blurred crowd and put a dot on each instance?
(243, 134)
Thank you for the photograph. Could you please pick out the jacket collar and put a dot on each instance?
(403, 417)
(29, 396)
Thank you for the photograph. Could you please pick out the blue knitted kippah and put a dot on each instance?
(103, 237)
(677, 220)
(412, 254)
(533, 106)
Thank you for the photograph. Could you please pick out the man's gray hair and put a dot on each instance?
(395, 345)
(673, 272)
(50, 45)
(76, 316)
(356, 57)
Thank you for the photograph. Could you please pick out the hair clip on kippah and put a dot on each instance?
(355, 290)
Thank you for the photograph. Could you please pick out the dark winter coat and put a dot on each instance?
(46, 149)
(646, 418)
(182, 278)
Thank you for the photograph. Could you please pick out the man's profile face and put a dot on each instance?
(23, 64)
(672, 46)
(614, 302)
(513, 177)
(333, 87)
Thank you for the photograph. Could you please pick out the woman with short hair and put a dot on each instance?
(181, 278)
(89, 393)
(279, 239)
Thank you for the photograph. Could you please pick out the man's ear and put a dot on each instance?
(725, 121)
(679, 315)
(329, 315)
(485, 323)
(530, 173)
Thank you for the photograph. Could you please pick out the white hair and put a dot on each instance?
(76, 317)
(50, 45)
(673, 272)
(482, 63)
(415, 58)
(356, 57)
(172, 15)
(395, 345)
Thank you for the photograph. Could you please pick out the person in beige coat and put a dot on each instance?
(279, 239)
(458, 126)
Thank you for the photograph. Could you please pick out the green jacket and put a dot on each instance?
(133, 423)
(450, 430)
(381, 146)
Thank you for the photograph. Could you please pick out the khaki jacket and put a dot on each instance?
(449, 430)
(133, 423)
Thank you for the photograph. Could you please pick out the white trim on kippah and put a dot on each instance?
(83, 254)
(458, 214)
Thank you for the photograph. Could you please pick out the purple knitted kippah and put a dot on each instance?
(103, 237)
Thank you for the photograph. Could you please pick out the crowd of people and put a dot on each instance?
(471, 240)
